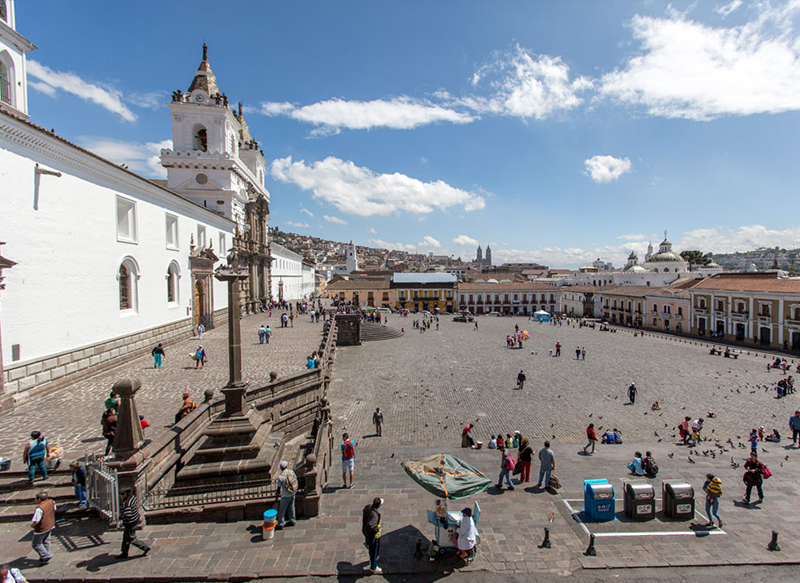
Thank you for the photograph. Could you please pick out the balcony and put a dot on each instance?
(701, 311)
(792, 322)
(665, 315)
(719, 313)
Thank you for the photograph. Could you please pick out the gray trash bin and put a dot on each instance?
(640, 501)
(678, 499)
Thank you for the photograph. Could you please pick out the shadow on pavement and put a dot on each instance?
(96, 563)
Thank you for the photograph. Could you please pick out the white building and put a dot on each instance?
(215, 162)
(106, 262)
(291, 279)
(352, 259)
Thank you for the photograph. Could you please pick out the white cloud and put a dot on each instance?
(606, 168)
(335, 220)
(110, 99)
(726, 9)
(372, 231)
(308, 212)
(48, 90)
(298, 225)
(632, 237)
(397, 113)
(686, 69)
(744, 238)
(149, 100)
(142, 158)
(380, 243)
(358, 190)
(526, 86)
(428, 241)
(465, 241)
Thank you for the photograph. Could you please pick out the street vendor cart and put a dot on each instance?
(449, 478)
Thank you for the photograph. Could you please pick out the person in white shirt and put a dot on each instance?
(9, 575)
(467, 534)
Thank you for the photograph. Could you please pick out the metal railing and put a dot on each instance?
(102, 487)
(161, 496)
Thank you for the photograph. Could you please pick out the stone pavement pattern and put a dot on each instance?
(426, 381)
(71, 416)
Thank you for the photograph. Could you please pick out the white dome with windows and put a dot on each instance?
(666, 260)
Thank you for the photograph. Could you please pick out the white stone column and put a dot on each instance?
(751, 319)
(780, 322)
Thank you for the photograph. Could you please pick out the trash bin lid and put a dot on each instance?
(640, 490)
(270, 514)
(679, 489)
(598, 491)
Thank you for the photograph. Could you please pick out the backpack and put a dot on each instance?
(291, 481)
(348, 450)
(650, 467)
(510, 463)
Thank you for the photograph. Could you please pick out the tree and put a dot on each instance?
(695, 257)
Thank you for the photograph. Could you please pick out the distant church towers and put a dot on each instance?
(480, 260)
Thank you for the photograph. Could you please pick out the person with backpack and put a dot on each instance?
(754, 476)
(713, 490)
(287, 488)
(35, 452)
(348, 460)
(649, 465)
(507, 465)
(635, 466)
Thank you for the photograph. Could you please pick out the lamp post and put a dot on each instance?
(234, 391)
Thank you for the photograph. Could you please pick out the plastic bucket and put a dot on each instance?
(478, 444)
(268, 528)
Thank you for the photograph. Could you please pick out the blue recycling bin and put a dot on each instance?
(598, 500)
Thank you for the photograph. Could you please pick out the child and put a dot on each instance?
(500, 442)
(754, 441)
(713, 490)
(510, 442)
(492, 443)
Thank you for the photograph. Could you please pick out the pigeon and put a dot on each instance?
(786, 458)
(765, 450)
(655, 433)
(670, 455)
(392, 455)
(691, 461)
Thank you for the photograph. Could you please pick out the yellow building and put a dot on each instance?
(418, 292)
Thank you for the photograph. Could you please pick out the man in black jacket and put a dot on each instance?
(521, 380)
(130, 520)
(371, 528)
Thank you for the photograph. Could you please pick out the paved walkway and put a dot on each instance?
(71, 417)
(428, 384)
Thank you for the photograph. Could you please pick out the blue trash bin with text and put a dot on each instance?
(598, 500)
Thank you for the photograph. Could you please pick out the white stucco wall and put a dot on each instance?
(62, 232)
(287, 267)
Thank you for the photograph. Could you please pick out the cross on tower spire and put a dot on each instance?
(205, 52)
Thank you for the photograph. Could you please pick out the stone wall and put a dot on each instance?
(36, 374)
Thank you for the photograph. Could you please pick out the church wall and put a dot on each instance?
(61, 300)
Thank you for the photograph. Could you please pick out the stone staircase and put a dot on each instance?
(370, 331)
(17, 497)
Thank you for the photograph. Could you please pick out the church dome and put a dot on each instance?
(665, 254)
(635, 269)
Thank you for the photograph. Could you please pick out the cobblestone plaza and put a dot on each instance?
(428, 384)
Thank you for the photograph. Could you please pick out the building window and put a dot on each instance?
(172, 232)
(172, 283)
(200, 139)
(6, 77)
(223, 246)
(127, 276)
(680, 311)
(126, 220)
(201, 236)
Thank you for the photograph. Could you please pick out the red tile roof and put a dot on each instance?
(750, 282)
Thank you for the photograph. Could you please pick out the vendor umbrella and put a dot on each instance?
(447, 476)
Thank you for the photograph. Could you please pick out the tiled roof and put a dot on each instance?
(510, 286)
(410, 278)
(750, 282)
(362, 283)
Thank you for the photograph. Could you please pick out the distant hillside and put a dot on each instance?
(763, 258)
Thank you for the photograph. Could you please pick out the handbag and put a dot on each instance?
(765, 472)
(517, 470)
(554, 482)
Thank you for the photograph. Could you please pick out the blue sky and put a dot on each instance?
(554, 131)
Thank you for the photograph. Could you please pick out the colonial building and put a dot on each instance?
(625, 304)
(79, 294)
(215, 162)
(506, 297)
(291, 279)
(417, 292)
(669, 309)
(759, 308)
(582, 301)
(363, 290)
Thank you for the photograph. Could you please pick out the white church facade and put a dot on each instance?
(98, 262)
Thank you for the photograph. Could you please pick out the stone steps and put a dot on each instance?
(370, 331)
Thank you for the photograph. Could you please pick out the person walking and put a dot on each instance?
(525, 458)
(129, 521)
(558, 349)
(200, 329)
(79, 481)
(506, 467)
(262, 332)
(583, 353)
(199, 357)
(158, 354)
(348, 460)
(577, 353)
(753, 476)
(592, 437)
(521, 380)
(34, 454)
(713, 490)
(632, 393)
(371, 529)
(43, 522)
(109, 424)
(547, 463)
(794, 425)
(287, 488)
(112, 402)
(377, 419)
(267, 334)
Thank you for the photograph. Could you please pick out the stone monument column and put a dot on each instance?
(129, 435)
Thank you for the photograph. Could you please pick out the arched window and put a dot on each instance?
(173, 296)
(127, 277)
(200, 138)
(6, 79)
